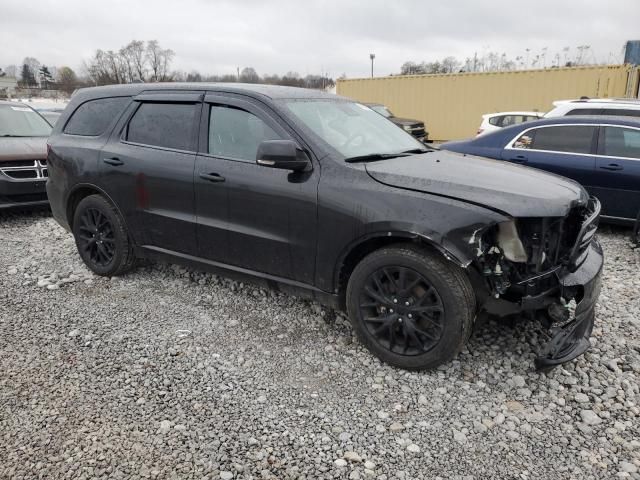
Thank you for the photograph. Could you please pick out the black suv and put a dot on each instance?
(315, 193)
(409, 125)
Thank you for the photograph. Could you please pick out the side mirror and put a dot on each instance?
(283, 154)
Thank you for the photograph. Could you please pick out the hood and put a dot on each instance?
(405, 121)
(512, 189)
(23, 148)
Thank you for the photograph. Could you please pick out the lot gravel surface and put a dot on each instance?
(173, 373)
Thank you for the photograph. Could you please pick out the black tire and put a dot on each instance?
(433, 317)
(101, 237)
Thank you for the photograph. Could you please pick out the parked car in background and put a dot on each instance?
(602, 153)
(314, 193)
(50, 109)
(414, 127)
(495, 121)
(51, 115)
(23, 155)
(596, 106)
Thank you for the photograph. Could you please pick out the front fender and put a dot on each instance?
(456, 244)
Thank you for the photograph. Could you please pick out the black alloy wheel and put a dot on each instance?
(101, 237)
(96, 237)
(402, 310)
(410, 306)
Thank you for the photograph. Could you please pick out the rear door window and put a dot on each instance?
(166, 125)
(92, 118)
(620, 142)
(562, 138)
(235, 133)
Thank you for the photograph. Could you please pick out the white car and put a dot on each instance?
(628, 107)
(495, 121)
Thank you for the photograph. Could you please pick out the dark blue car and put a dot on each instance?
(602, 153)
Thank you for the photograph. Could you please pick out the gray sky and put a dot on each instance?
(312, 36)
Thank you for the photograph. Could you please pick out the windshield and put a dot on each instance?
(20, 121)
(351, 128)
(382, 110)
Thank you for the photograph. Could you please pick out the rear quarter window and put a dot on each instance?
(92, 118)
(166, 125)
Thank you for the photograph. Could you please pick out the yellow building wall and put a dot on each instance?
(452, 105)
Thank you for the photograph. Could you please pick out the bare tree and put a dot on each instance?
(11, 71)
(136, 59)
(499, 62)
(135, 62)
(30, 69)
(450, 65)
(159, 60)
(67, 79)
(194, 77)
(249, 75)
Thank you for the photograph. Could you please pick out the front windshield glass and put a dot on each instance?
(382, 110)
(351, 128)
(20, 121)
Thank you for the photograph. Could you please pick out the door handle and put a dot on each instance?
(116, 162)
(520, 159)
(612, 166)
(212, 177)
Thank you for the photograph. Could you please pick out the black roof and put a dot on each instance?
(251, 89)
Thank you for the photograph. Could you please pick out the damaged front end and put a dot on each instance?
(548, 268)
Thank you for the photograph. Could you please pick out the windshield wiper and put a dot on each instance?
(375, 156)
(418, 150)
(13, 136)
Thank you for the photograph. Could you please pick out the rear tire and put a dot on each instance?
(410, 307)
(101, 237)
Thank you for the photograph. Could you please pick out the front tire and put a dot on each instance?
(410, 307)
(101, 237)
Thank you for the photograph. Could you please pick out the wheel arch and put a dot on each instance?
(81, 191)
(367, 244)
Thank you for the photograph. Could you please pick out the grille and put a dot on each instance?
(553, 243)
(25, 169)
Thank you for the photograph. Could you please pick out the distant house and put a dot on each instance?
(8, 87)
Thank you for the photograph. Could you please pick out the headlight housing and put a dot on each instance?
(510, 243)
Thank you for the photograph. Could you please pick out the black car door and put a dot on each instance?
(264, 218)
(148, 167)
(618, 171)
(567, 150)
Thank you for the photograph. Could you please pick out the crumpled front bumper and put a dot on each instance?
(572, 339)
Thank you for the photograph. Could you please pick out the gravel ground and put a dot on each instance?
(173, 373)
